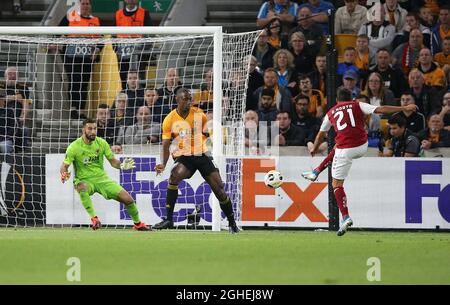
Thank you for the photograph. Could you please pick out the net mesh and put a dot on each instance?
(128, 84)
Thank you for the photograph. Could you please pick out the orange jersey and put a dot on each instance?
(186, 134)
(442, 59)
(76, 20)
(435, 78)
(137, 19)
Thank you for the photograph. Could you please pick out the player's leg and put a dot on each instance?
(132, 210)
(179, 172)
(85, 191)
(314, 174)
(212, 176)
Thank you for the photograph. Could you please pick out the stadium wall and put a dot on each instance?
(385, 193)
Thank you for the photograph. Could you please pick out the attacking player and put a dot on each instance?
(184, 128)
(86, 153)
(347, 119)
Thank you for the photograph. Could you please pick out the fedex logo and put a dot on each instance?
(415, 190)
(302, 200)
(188, 196)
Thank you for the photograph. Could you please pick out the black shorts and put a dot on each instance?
(204, 164)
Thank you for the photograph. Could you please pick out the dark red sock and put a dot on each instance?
(341, 200)
(322, 166)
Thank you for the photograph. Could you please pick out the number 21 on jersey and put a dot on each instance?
(339, 115)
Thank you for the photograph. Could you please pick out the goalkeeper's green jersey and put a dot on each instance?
(87, 159)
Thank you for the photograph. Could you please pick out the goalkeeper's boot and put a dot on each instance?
(233, 228)
(165, 224)
(96, 224)
(346, 223)
(311, 175)
(142, 227)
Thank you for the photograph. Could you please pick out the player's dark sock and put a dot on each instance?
(171, 199)
(329, 158)
(341, 200)
(87, 203)
(227, 209)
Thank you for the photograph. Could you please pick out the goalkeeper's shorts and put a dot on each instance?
(106, 187)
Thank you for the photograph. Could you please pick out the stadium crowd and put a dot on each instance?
(396, 53)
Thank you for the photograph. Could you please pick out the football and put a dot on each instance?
(273, 179)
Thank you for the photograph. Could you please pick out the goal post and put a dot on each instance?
(191, 51)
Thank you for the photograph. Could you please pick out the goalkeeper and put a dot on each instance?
(86, 153)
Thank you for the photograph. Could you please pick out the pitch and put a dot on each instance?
(39, 256)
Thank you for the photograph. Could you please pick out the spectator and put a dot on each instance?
(105, 128)
(302, 118)
(142, 132)
(435, 135)
(442, 28)
(284, 10)
(415, 121)
(303, 58)
(348, 64)
(377, 93)
(267, 111)
(282, 96)
(404, 143)
(263, 51)
(7, 126)
(135, 97)
(78, 62)
(255, 80)
(277, 38)
(350, 81)
(289, 134)
(443, 58)
(319, 75)
(118, 118)
(393, 77)
(433, 75)
(166, 93)
(380, 32)
(251, 124)
(431, 7)
(127, 54)
(204, 98)
(406, 55)
(412, 23)
(395, 14)
(427, 98)
(284, 65)
(365, 58)
(317, 103)
(320, 8)
(445, 111)
(150, 98)
(425, 17)
(17, 99)
(350, 18)
(313, 32)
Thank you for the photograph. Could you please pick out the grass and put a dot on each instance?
(39, 256)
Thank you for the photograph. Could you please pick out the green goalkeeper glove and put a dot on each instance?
(128, 163)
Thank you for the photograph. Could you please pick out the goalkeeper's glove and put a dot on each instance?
(128, 163)
(65, 176)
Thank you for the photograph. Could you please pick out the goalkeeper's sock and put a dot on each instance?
(227, 209)
(133, 212)
(341, 199)
(87, 203)
(322, 166)
(171, 199)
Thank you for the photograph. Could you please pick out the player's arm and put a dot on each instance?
(128, 163)
(64, 168)
(393, 109)
(324, 128)
(166, 140)
(164, 156)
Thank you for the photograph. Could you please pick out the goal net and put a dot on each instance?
(126, 79)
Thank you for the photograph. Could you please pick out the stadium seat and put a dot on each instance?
(343, 41)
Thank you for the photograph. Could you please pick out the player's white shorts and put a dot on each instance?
(343, 158)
